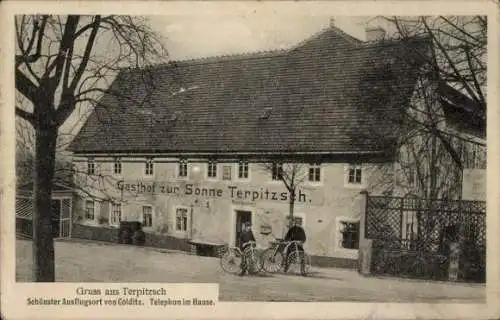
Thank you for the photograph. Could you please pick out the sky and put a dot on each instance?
(189, 36)
(210, 35)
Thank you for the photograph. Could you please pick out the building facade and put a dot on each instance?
(193, 149)
(208, 201)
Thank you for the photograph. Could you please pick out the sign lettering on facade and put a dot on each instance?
(231, 191)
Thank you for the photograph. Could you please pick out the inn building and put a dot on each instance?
(193, 149)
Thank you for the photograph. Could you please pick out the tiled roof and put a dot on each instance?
(462, 112)
(311, 98)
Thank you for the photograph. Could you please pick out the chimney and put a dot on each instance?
(375, 34)
(332, 22)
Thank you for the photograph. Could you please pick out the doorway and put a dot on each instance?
(242, 216)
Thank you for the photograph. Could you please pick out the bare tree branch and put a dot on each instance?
(57, 78)
(28, 116)
(25, 86)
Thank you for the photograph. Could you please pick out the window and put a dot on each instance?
(297, 219)
(354, 174)
(183, 171)
(226, 172)
(409, 229)
(277, 171)
(91, 166)
(349, 232)
(147, 216)
(212, 169)
(464, 150)
(473, 156)
(149, 167)
(482, 158)
(243, 170)
(116, 214)
(181, 217)
(117, 166)
(315, 172)
(89, 210)
(411, 177)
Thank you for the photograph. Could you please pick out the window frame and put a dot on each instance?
(91, 166)
(86, 218)
(317, 167)
(412, 178)
(182, 162)
(117, 163)
(224, 171)
(112, 214)
(212, 165)
(300, 215)
(240, 167)
(143, 215)
(149, 167)
(339, 236)
(347, 174)
(279, 168)
(176, 208)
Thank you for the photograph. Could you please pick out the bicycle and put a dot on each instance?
(231, 260)
(273, 257)
(296, 257)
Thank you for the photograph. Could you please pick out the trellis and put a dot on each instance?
(412, 236)
(24, 216)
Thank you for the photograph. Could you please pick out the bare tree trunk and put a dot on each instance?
(43, 242)
(291, 207)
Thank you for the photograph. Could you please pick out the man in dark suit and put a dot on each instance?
(295, 233)
(245, 236)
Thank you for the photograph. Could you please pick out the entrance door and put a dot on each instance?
(241, 218)
(56, 217)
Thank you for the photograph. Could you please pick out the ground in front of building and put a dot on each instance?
(102, 262)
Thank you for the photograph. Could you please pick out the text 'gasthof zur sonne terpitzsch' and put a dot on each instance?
(231, 191)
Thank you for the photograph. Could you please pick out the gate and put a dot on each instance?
(24, 217)
(65, 219)
(421, 238)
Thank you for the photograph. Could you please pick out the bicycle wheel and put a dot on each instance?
(294, 262)
(271, 260)
(231, 261)
(252, 258)
(307, 262)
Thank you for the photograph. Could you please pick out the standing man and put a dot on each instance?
(296, 233)
(245, 236)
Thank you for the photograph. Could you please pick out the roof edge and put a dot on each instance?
(215, 59)
(225, 153)
(315, 35)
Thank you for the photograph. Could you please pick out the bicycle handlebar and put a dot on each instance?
(287, 241)
(248, 243)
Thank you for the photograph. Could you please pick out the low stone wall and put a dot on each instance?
(166, 242)
(332, 262)
(108, 234)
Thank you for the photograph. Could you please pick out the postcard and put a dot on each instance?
(254, 159)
